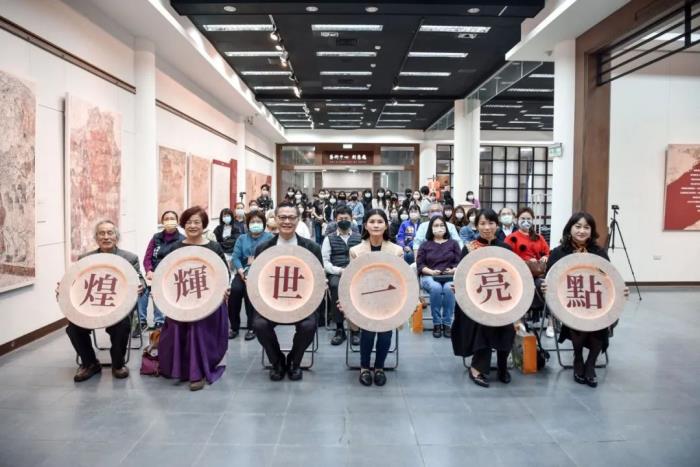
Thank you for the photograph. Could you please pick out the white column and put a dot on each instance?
(465, 167)
(564, 105)
(427, 163)
(241, 157)
(145, 144)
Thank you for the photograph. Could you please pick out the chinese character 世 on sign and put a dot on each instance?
(491, 281)
(289, 281)
(193, 280)
(580, 296)
(100, 290)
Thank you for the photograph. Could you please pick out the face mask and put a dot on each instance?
(290, 193)
(506, 219)
(368, 195)
(297, 196)
(438, 231)
(416, 197)
(435, 214)
(240, 212)
(342, 198)
(414, 216)
(253, 208)
(344, 225)
(472, 219)
(323, 196)
(525, 224)
(227, 219)
(394, 215)
(448, 213)
(470, 197)
(332, 200)
(170, 225)
(404, 217)
(255, 228)
(265, 193)
(459, 216)
(380, 195)
(353, 198)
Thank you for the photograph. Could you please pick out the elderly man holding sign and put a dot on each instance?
(286, 285)
(100, 291)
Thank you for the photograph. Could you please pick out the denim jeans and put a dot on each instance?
(409, 256)
(367, 343)
(442, 300)
(142, 304)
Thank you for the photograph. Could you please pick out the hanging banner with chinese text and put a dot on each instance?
(493, 286)
(585, 292)
(347, 157)
(98, 291)
(378, 292)
(286, 283)
(189, 284)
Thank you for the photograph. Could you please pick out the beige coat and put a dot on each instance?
(364, 247)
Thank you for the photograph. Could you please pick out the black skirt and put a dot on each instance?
(468, 336)
(602, 336)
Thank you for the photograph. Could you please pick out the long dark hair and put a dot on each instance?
(531, 233)
(429, 233)
(370, 213)
(567, 240)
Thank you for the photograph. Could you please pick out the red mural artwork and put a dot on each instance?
(253, 181)
(94, 171)
(172, 180)
(682, 210)
(199, 182)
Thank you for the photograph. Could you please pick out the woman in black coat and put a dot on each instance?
(579, 236)
(470, 338)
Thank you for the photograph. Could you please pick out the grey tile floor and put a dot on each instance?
(646, 410)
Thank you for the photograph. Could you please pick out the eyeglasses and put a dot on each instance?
(193, 222)
(287, 218)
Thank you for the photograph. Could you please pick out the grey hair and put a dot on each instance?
(107, 221)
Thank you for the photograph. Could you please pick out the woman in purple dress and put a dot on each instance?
(194, 351)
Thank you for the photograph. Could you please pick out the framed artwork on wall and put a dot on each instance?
(199, 182)
(220, 186)
(172, 180)
(682, 187)
(253, 181)
(17, 182)
(93, 171)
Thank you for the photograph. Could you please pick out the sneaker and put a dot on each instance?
(120, 373)
(446, 331)
(339, 337)
(250, 335)
(86, 372)
(355, 338)
(437, 331)
(550, 331)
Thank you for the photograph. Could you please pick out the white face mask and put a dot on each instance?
(416, 197)
(525, 224)
(506, 219)
(414, 216)
(472, 219)
(404, 217)
(368, 195)
(240, 212)
(459, 215)
(438, 231)
(297, 196)
(380, 195)
(448, 213)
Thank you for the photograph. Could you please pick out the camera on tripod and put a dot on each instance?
(615, 207)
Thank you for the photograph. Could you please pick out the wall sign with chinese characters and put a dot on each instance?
(286, 283)
(98, 291)
(585, 292)
(189, 284)
(378, 292)
(493, 286)
(347, 157)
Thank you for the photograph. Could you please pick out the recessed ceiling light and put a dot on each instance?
(503, 106)
(455, 29)
(405, 104)
(343, 120)
(230, 8)
(260, 53)
(372, 110)
(346, 88)
(520, 122)
(541, 75)
(317, 109)
(344, 104)
(345, 113)
(335, 53)
(529, 90)
(393, 121)
(492, 115)
(348, 27)
(425, 73)
(511, 128)
(438, 54)
(279, 47)
(415, 88)
(487, 121)
(346, 73)
(293, 121)
(238, 27)
(547, 107)
(390, 126)
(373, 65)
(272, 88)
(538, 115)
(398, 113)
(288, 113)
(265, 73)
(345, 126)
(312, 9)
(473, 11)
(523, 111)
(377, 47)
(371, 9)
(286, 104)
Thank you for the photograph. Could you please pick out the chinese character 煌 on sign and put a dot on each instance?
(100, 290)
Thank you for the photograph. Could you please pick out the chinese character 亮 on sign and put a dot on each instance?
(491, 281)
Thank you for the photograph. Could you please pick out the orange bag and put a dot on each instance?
(525, 353)
(417, 319)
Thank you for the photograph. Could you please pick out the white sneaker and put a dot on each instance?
(550, 331)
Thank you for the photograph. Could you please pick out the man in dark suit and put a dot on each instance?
(287, 216)
(107, 237)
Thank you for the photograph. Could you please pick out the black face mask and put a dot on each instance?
(353, 198)
(344, 225)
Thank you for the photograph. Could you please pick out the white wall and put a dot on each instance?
(347, 180)
(106, 46)
(650, 109)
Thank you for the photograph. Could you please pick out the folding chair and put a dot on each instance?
(128, 344)
(349, 348)
(314, 348)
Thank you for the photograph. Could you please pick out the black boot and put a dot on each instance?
(339, 337)
(437, 330)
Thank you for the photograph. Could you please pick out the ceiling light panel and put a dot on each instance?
(393, 121)
(503, 106)
(266, 73)
(346, 88)
(337, 53)
(538, 115)
(286, 104)
(398, 113)
(455, 29)
(347, 27)
(492, 115)
(438, 54)
(520, 122)
(541, 75)
(415, 88)
(289, 113)
(529, 90)
(342, 120)
(344, 104)
(346, 73)
(345, 113)
(425, 73)
(404, 104)
(260, 53)
(273, 88)
(238, 27)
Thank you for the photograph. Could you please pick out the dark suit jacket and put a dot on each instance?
(301, 241)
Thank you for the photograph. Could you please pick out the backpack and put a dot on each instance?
(149, 359)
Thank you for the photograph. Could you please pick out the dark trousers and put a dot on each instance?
(481, 360)
(303, 337)
(82, 343)
(367, 343)
(239, 295)
(335, 313)
(579, 339)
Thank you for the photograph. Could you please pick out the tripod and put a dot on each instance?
(614, 230)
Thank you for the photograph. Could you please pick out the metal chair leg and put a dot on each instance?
(314, 348)
(349, 349)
